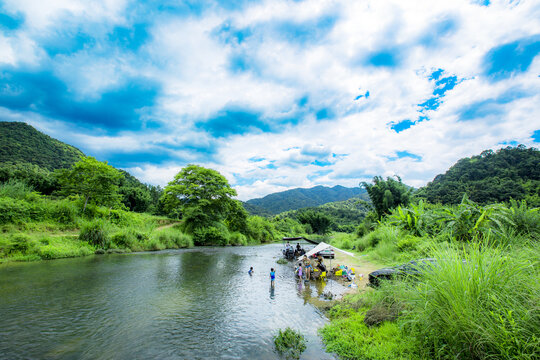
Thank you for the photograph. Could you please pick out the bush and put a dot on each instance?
(64, 212)
(210, 236)
(96, 233)
(172, 238)
(125, 239)
(15, 189)
(237, 239)
(290, 343)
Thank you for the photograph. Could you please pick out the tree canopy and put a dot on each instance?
(387, 194)
(508, 173)
(201, 195)
(92, 179)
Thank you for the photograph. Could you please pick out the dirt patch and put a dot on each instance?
(361, 267)
(168, 225)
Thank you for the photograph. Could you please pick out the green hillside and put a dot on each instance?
(28, 155)
(509, 173)
(21, 143)
(301, 198)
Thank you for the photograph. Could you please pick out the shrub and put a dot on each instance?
(210, 236)
(15, 189)
(290, 343)
(125, 239)
(96, 233)
(64, 212)
(408, 243)
(237, 239)
(172, 238)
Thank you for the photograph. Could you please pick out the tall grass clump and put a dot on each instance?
(477, 304)
(290, 343)
(172, 238)
(97, 233)
(15, 189)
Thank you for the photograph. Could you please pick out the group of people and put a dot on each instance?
(305, 268)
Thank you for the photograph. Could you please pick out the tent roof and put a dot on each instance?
(324, 246)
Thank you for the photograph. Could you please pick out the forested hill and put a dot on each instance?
(28, 155)
(21, 143)
(490, 177)
(300, 198)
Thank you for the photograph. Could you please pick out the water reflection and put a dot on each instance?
(188, 304)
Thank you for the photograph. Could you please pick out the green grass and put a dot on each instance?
(481, 302)
(290, 343)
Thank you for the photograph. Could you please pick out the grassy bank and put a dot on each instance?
(479, 302)
(38, 227)
(35, 227)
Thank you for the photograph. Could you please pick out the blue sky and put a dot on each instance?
(275, 94)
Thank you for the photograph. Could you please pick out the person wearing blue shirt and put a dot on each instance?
(272, 276)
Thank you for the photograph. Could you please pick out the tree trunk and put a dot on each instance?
(85, 202)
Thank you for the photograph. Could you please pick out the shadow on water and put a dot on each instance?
(197, 304)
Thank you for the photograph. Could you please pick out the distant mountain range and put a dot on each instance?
(301, 198)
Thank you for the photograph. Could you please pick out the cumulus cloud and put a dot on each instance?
(275, 94)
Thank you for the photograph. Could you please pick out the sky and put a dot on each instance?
(275, 94)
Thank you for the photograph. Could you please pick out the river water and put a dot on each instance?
(182, 304)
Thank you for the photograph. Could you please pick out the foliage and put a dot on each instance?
(211, 235)
(387, 194)
(509, 173)
(92, 180)
(39, 179)
(290, 343)
(237, 239)
(260, 230)
(198, 187)
(96, 233)
(350, 338)
(172, 238)
(236, 219)
(344, 215)
(479, 303)
(300, 198)
(21, 143)
(319, 222)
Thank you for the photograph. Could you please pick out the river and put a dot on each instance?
(180, 304)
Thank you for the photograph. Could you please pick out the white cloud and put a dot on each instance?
(192, 63)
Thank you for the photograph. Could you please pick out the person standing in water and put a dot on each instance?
(272, 277)
(250, 272)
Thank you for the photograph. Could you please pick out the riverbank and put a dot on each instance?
(480, 301)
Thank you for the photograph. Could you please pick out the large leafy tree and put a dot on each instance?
(94, 180)
(319, 222)
(387, 194)
(203, 196)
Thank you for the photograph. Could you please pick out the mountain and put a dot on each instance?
(21, 143)
(345, 215)
(508, 173)
(300, 198)
(28, 155)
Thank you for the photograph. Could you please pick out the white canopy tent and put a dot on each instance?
(323, 246)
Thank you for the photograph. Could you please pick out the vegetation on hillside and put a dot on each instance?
(479, 301)
(509, 173)
(20, 144)
(301, 198)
